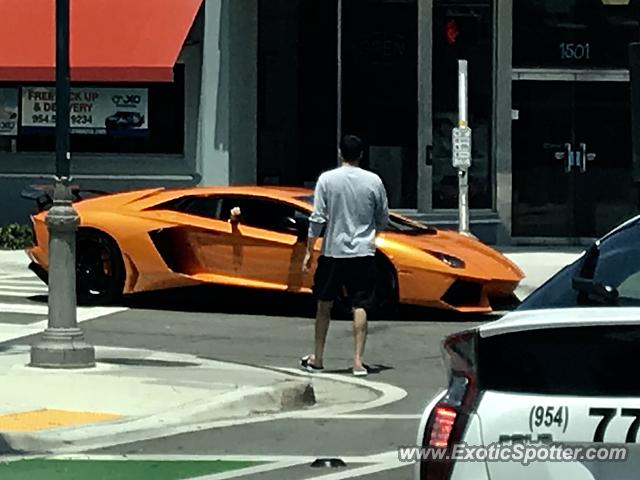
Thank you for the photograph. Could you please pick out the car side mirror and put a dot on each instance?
(595, 291)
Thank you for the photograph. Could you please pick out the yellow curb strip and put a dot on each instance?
(44, 419)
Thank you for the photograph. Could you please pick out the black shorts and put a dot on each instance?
(357, 275)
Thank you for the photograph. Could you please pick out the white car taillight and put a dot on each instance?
(443, 421)
(448, 419)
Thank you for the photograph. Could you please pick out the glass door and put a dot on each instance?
(572, 163)
(542, 149)
(606, 193)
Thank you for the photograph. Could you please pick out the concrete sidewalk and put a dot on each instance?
(133, 394)
(539, 264)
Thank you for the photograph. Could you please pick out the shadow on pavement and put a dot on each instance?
(233, 300)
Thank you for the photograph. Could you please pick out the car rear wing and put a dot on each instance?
(43, 195)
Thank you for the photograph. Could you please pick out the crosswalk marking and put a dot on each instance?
(24, 287)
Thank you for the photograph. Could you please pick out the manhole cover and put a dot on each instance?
(144, 362)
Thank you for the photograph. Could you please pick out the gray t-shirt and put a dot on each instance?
(352, 203)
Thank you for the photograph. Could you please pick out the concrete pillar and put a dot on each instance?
(243, 90)
(425, 133)
(213, 121)
(503, 105)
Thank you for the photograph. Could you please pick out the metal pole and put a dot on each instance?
(339, 80)
(62, 344)
(463, 123)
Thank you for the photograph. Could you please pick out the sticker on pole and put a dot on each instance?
(461, 140)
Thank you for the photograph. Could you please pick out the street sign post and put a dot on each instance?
(461, 149)
(62, 345)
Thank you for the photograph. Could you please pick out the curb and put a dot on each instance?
(245, 402)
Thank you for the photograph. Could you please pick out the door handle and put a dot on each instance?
(582, 158)
(586, 157)
(570, 158)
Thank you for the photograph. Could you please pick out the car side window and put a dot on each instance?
(201, 206)
(258, 213)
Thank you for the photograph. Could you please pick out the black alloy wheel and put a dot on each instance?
(99, 269)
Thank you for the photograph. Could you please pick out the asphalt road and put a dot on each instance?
(275, 330)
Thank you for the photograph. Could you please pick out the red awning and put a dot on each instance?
(111, 40)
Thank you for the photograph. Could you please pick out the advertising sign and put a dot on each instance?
(8, 112)
(92, 110)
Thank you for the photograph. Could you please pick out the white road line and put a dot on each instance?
(24, 288)
(245, 472)
(10, 293)
(35, 309)
(12, 331)
(360, 471)
(23, 281)
(19, 275)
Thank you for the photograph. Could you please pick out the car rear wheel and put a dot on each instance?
(99, 269)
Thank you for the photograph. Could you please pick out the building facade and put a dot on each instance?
(263, 89)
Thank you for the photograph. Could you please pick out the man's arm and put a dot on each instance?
(382, 208)
(317, 221)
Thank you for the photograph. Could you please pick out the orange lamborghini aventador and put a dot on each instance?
(164, 238)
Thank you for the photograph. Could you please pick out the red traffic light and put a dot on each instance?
(452, 31)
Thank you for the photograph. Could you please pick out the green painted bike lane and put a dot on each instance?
(43, 469)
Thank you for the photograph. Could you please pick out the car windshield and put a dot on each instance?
(397, 223)
(613, 262)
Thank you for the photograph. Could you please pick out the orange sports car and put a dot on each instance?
(163, 238)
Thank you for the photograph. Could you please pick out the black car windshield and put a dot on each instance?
(617, 266)
(396, 222)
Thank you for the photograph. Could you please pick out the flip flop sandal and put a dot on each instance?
(307, 366)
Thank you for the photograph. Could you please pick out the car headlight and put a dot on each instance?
(453, 262)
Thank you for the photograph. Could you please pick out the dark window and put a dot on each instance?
(573, 33)
(208, 207)
(259, 213)
(165, 122)
(544, 361)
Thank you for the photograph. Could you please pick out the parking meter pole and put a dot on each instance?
(62, 344)
(463, 160)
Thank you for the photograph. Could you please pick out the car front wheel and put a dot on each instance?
(99, 269)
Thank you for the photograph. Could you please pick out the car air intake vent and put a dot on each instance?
(170, 245)
(463, 293)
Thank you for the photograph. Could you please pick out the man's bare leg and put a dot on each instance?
(359, 336)
(323, 317)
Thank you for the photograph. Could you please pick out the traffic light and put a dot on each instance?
(462, 30)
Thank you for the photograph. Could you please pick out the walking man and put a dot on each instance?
(350, 205)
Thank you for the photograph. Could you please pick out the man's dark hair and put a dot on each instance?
(351, 148)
